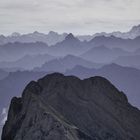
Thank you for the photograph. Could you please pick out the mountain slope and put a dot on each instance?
(126, 79)
(67, 108)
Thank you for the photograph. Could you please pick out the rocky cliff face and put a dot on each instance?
(57, 107)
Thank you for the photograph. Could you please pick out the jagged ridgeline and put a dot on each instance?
(59, 107)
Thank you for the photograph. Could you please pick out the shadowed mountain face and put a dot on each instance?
(126, 79)
(67, 108)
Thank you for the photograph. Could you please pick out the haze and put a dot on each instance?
(77, 16)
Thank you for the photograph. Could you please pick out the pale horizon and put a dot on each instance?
(22, 33)
(76, 16)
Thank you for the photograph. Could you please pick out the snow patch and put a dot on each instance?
(3, 116)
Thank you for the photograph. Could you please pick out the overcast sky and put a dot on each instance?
(77, 16)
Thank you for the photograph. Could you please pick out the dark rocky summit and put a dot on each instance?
(57, 107)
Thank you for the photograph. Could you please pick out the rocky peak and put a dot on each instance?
(134, 32)
(62, 107)
(70, 37)
(135, 28)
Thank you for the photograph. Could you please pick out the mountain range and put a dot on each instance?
(65, 63)
(131, 61)
(102, 54)
(53, 37)
(131, 34)
(17, 50)
(27, 62)
(73, 46)
(115, 42)
(114, 56)
(70, 45)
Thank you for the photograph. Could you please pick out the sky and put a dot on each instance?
(76, 16)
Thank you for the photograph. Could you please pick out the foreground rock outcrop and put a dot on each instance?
(57, 107)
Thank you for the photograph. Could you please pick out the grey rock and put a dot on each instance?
(59, 107)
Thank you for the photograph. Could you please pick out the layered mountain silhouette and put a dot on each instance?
(131, 61)
(115, 42)
(3, 74)
(122, 77)
(66, 108)
(126, 79)
(27, 62)
(102, 54)
(17, 50)
(131, 34)
(70, 45)
(53, 37)
(67, 62)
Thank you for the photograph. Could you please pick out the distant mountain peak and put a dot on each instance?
(15, 34)
(70, 36)
(52, 33)
(137, 26)
(135, 29)
(35, 32)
